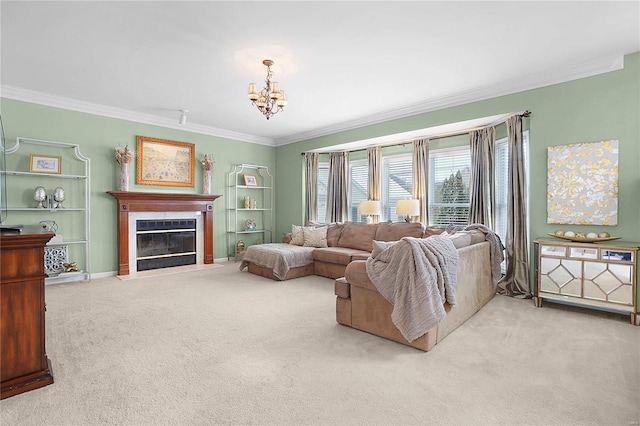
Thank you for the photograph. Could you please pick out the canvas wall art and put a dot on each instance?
(582, 183)
(164, 162)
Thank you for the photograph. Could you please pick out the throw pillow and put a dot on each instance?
(380, 246)
(315, 237)
(297, 237)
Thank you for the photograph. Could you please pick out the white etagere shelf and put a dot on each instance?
(78, 189)
(238, 215)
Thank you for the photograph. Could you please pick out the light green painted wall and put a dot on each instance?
(97, 137)
(591, 109)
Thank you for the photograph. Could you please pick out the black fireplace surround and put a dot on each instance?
(163, 243)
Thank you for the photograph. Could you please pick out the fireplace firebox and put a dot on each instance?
(165, 243)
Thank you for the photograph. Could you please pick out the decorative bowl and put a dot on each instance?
(583, 239)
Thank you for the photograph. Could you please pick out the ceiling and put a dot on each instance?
(342, 64)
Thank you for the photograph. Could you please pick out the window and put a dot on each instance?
(502, 179)
(323, 182)
(358, 184)
(396, 184)
(449, 171)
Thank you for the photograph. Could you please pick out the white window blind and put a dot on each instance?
(502, 180)
(396, 184)
(323, 181)
(358, 177)
(449, 171)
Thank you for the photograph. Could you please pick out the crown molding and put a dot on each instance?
(19, 94)
(521, 84)
(528, 82)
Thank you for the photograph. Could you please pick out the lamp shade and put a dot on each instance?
(408, 207)
(370, 207)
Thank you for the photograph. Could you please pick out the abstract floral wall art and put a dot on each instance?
(582, 183)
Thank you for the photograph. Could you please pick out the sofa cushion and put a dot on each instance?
(394, 231)
(460, 239)
(380, 246)
(334, 231)
(315, 237)
(337, 255)
(360, 256)
(358, 235)
(433, 230)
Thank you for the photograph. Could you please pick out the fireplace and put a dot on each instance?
(165, 243)
(155, 206)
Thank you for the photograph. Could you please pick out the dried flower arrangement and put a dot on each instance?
(124, 155)
(207, 161)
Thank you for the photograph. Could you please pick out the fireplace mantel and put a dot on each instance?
(129, 201)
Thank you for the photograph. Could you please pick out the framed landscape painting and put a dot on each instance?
(163, 162)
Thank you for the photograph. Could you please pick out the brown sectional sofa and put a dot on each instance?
(358, 303)
(346, 242)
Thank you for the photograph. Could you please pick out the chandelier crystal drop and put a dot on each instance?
(270, 100)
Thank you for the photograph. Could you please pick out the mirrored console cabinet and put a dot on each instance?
(594, 275)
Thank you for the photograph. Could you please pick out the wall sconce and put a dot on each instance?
(408, 208)
(370, 208)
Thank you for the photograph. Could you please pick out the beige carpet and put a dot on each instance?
(219, 346)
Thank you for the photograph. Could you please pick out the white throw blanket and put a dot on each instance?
(416, 275)
(278, 257)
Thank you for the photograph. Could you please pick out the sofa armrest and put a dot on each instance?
(286, 238)
(356, 274)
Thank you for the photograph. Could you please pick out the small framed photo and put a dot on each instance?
(251, 180)
(45, 164)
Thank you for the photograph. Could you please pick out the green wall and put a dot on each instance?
(591, 109)
(97, 137)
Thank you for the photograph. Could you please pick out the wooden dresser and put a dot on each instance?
(24, 365)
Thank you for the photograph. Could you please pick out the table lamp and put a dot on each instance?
(408, 208)
(370, 208)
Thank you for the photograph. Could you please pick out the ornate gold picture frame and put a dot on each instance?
(163, 162)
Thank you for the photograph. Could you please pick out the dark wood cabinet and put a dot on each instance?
(24, 365)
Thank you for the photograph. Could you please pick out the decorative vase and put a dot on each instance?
(124, 176)
(247, 202)
(206, 182)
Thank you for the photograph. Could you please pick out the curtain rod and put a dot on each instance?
(525, 114)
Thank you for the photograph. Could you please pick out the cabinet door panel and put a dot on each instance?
(22, 328)
(623, 294)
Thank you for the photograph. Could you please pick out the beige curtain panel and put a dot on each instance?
(420, 171)
(337, 202)
(516, 280)
(374, 182)
(482, 178)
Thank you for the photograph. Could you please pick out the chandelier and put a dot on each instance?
(270, 100)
